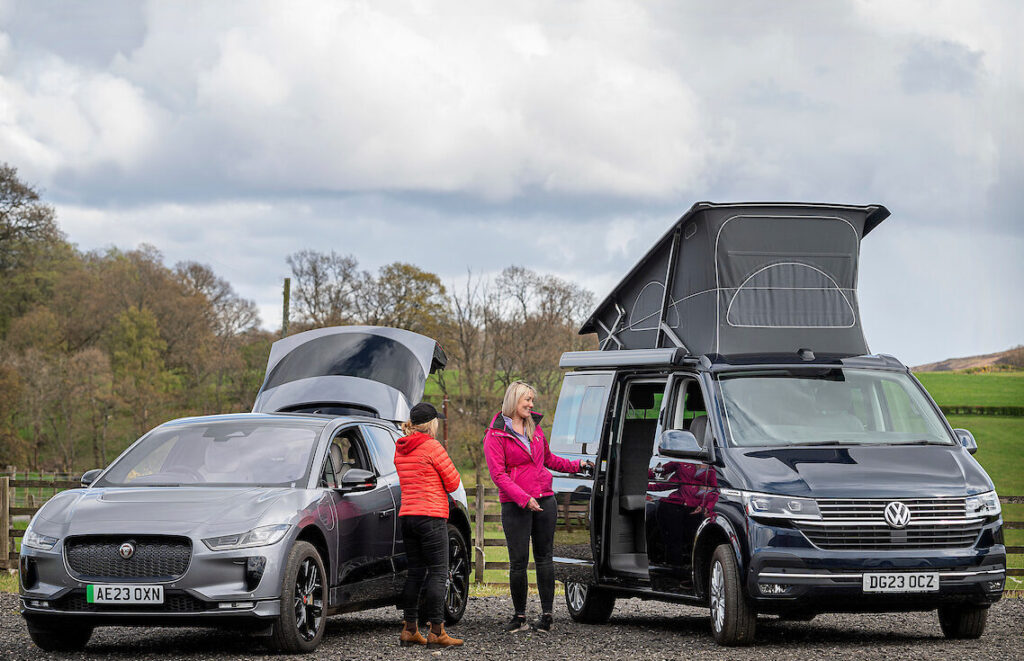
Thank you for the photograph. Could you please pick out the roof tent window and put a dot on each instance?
(790, 295)
(361, 355)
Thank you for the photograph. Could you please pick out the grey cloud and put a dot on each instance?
(941, 66)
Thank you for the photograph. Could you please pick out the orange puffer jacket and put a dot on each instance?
(426, 475)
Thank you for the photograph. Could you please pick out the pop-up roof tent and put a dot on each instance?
(745, 278)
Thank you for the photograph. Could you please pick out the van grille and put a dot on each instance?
(935, 523)
(156, 557)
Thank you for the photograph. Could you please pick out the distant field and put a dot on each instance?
(958, 389)
(1000, 448)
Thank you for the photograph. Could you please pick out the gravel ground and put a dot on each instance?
(638, 630)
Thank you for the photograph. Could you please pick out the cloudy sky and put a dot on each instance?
(564, 137)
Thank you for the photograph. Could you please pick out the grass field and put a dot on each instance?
(959, 389)
(1000, 448)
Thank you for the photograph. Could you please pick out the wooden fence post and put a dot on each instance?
(481, 505)
(5, 521)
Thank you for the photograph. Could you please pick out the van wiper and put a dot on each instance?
(921, 442)
(829, 443)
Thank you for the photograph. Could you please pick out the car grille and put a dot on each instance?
(156, 557)
(935, 523)
(174, 602)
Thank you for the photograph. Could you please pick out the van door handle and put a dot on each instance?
(386, 513)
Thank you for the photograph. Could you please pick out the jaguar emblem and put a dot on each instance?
(127, 550)
(897, 515)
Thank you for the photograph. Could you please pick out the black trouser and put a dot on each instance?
(521, 524)
(426, 547)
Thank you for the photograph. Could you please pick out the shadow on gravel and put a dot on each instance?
(771, 630)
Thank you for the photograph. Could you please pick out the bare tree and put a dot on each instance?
(324, 287)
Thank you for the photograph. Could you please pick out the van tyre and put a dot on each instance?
(58, 636)
(963, 622)
(732, 619)
(300, 626)
(588, 604)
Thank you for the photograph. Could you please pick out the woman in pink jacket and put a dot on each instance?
(518, 458)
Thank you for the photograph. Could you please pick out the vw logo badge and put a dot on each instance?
(897, 515)
(127, 550)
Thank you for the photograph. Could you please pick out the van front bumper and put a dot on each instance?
(790, 574)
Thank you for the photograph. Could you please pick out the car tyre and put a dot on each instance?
(300, 625)
(60, 636)
(733, 620)
(456, 593)
(963, 622)
(588, 604)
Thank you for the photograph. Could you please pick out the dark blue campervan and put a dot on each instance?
(751, 454)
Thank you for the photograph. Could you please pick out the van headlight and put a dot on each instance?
(262, 536)
(779, 507)
(984, 504)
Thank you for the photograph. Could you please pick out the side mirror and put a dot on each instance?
(966, 439)
(680, 444)
(356, 479)
(90, 476)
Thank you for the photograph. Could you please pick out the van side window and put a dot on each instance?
(579, 414)
(689, 405)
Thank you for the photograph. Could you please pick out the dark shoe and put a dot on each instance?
(516, 624)
(441, 639)
(543, 623)
(411, 636)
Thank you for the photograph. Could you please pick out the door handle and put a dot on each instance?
(386, 513)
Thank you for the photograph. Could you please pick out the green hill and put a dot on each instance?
(977, 389)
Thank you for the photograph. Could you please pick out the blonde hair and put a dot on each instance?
(516, 391)
(429, 428)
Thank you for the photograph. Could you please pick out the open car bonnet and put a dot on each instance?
(344, 370)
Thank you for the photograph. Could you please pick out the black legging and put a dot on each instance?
(426, 546)
(520, 524)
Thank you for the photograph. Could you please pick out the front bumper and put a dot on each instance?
(216, 588)
(808, 579)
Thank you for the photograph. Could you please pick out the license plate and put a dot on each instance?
(902, 582)
(124, 594)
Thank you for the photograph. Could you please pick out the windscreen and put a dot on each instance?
(828, 406)
(226, 453)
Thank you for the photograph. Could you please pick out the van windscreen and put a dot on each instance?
(831, 406)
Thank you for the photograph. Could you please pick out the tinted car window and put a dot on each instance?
(223, 453)
(579, 413)
(383, 443)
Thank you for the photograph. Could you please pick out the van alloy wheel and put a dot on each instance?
(576, 594)
(717, 597)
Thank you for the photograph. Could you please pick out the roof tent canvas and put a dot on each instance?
(745, 278)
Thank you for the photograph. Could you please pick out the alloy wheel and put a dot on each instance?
(309, 606)
(457, 586)
(577, 593)
(717, 596)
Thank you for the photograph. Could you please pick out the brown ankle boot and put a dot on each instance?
(411, 635)
(438, 637)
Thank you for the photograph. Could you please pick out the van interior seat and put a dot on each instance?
(699, 429)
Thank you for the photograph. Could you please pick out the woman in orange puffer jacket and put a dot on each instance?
(426, 475)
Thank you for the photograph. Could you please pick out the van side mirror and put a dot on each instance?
(90, 476)
(680, 444)
(966, 439)
(357, 479)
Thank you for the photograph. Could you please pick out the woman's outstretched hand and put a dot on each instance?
(533, 506)
(586, 467)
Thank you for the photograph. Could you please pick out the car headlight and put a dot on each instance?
(984, 504)
(34, 540)
(779, 507)
(262, 536)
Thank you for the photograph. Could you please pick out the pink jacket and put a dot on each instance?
(521, 474)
